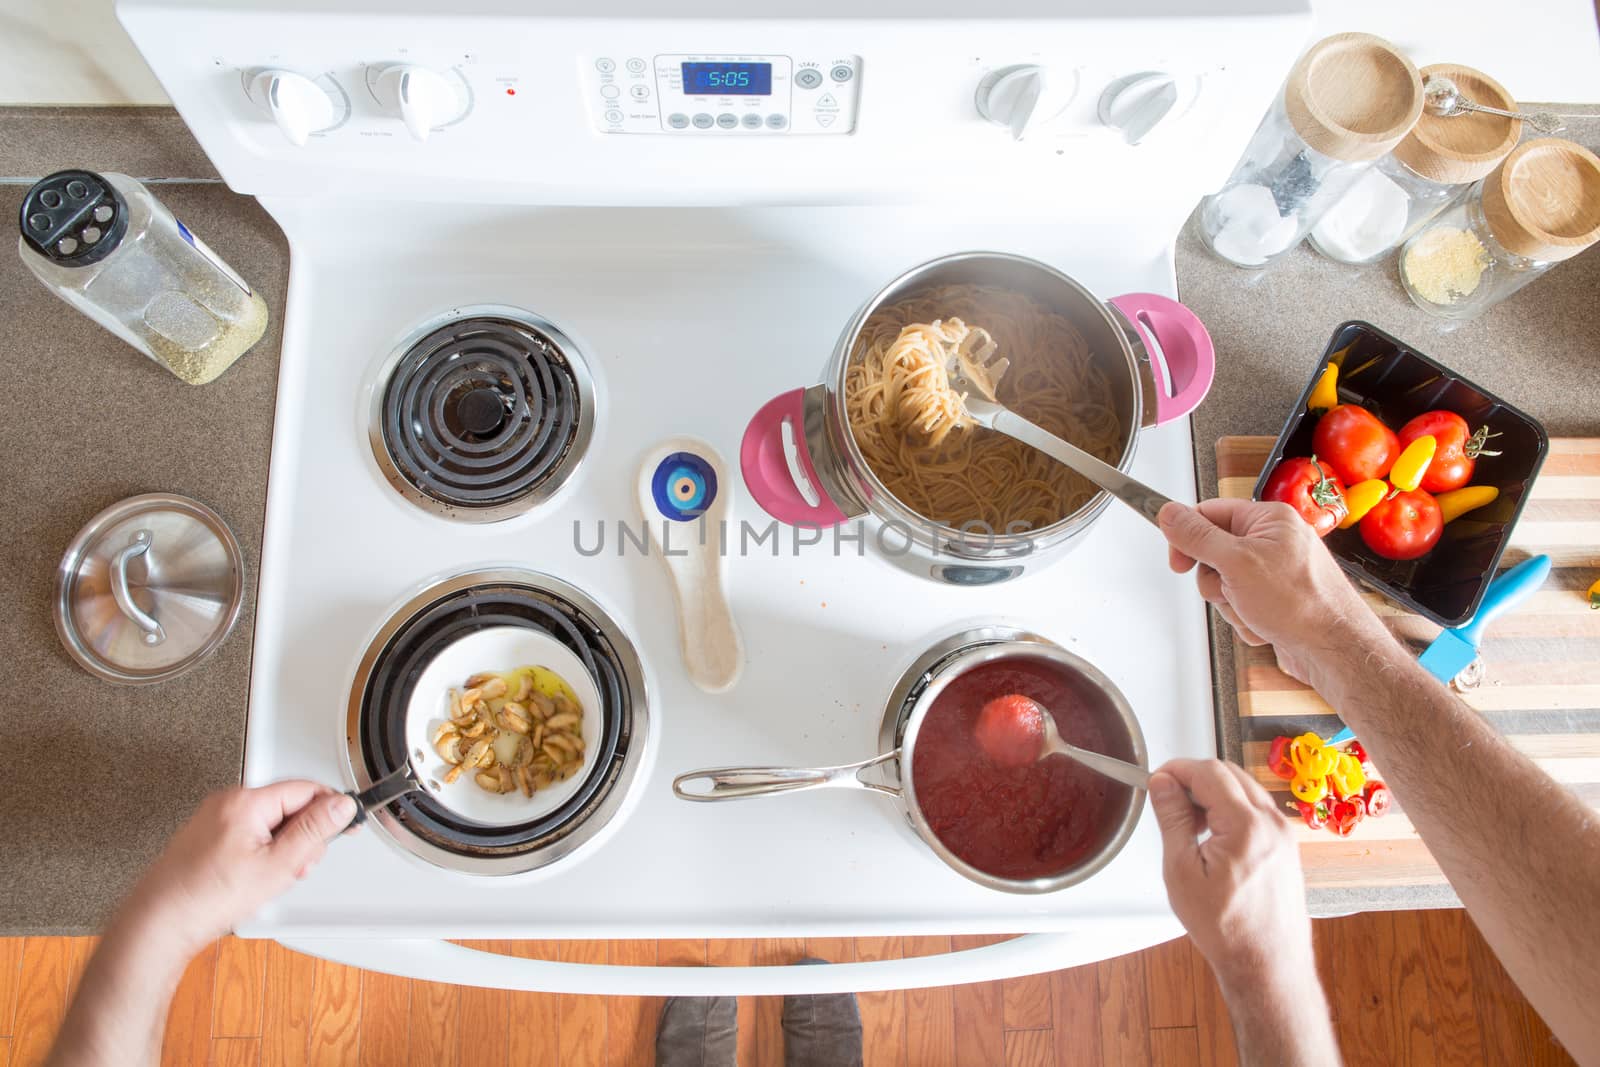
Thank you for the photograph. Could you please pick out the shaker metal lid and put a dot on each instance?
(1353, 96)
(150, 587)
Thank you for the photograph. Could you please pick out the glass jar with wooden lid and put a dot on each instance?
(1347, 101)
(1430, 169)
(1537, 208)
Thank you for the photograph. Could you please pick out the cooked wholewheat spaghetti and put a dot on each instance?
(908, 421)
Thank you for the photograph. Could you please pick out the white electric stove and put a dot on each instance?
(430, 159)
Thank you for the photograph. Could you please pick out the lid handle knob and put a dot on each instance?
(123, 595)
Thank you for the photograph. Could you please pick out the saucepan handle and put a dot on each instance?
(1181, 359)
(778, 466)
(737, 783)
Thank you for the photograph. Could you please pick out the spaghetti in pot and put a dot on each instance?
(907, 420)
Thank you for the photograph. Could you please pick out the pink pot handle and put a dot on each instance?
(777, 465)
(1181, 338)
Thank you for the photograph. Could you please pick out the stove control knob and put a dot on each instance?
(1136, 104)
(423, 97)
(1025, 96)
(295, 102)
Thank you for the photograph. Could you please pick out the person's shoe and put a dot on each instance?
(821, 1031)
(699, 1032)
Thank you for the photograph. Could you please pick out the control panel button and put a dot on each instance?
(752, 121)
(703, 121)
(808, 77)
(842, 73)
(636, 65)
(609, 91)
(605, 66)
(826, 119)
(727, 120)
(640, 92)
(777, 122)
(678, 121)
(826, 100)
(613, 115)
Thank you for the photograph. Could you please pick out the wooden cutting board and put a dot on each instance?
(1541, 681)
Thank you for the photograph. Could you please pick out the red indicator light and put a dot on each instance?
(511, 92)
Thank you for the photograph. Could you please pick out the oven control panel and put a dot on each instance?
(705, 95)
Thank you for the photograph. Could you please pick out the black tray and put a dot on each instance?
(1396, 383)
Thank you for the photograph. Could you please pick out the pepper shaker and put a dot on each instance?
(1348, 100)
(105, 245)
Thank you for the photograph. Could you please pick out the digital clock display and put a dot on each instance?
(727, 79)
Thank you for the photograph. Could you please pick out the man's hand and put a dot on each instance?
(1266, 571)
(1241, 896)
(1239, 893)
(240, 849)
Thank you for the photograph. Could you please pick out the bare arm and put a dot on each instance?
(1241, 896)
(241, 849)
(1521, 851)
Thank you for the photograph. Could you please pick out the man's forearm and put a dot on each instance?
(1281, 1021)
(1520, 850)
(120, 1011)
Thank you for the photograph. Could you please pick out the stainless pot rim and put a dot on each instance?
(880, 500)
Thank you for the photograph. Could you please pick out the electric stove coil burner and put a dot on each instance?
(430, 622)
(484, 416)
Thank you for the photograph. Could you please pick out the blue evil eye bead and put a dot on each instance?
(684, 485)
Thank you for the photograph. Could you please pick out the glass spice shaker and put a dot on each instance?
(105, 245)
(1430, 169)
(1348, 100)
(1538, 207)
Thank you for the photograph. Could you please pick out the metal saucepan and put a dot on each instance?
(908, 706)
(802, 465)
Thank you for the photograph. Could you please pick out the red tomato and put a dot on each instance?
(1356, 443)
(1378, 798)
(1458, 450)
(1312, 490)
(1403, 525)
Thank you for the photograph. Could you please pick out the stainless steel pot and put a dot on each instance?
(801, 462)
(907, 707)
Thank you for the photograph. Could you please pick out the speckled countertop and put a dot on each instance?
(99, 775)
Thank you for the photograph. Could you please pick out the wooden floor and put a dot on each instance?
(1406, 988)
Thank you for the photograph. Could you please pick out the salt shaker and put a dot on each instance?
(1431, 168)
(1348, 100)
(109, 248)
(1540, 206)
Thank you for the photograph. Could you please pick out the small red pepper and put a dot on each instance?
(1378, 799)
(1314, 815)
(1356, 749)
(1278, 759)
(1346, 815)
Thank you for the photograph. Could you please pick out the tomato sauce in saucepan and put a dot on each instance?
(1014, 822)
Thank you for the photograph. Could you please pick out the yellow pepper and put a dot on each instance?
(1594, 596)
(1348, 777)
(1458, 502)
(1362, 498)
(1325, 394)
(1413, 463)
(1312, 762)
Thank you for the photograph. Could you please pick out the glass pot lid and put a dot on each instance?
(148, 588)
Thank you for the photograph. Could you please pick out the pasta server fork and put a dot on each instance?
(976, 378)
